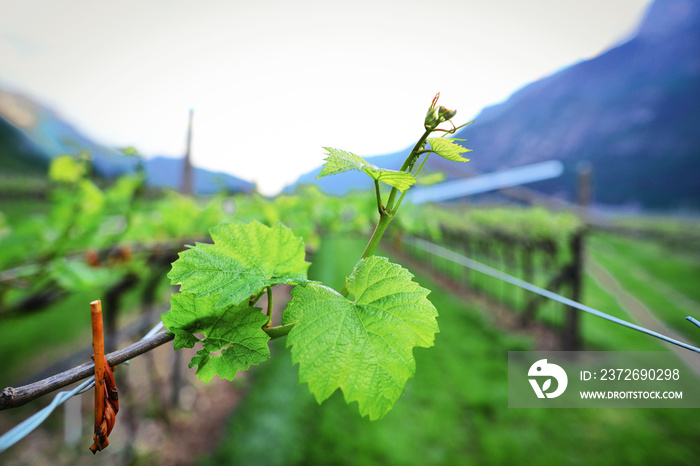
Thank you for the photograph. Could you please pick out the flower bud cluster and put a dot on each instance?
(437, 115)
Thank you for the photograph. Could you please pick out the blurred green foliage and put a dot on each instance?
(454, 412)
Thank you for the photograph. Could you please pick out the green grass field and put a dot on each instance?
(666, 281)
(455, 409)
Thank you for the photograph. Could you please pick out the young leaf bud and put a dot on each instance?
(446, 114)
(432, 118)
(437, 115)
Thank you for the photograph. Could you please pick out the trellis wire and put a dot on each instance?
(693, 320)
(445, 253)
(23, 429)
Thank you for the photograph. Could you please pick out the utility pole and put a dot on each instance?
(188, 172)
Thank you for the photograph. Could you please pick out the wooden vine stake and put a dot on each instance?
(106, 395)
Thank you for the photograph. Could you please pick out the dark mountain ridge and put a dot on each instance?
(632, 113)
(31, 135)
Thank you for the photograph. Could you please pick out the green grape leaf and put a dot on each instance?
(235, 331)
(243, 259)
(92, 197)
(364, 347)
(4, 227)
(339, 161)
(66, 169)
(447, 148)
(430, 179)
(130, 151)
(77, 275)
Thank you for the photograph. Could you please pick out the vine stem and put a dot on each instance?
(11, 397)
(407, 165)
(379, 230)
(420, 167)
(380, 206)
(269, 307)
(386, 214)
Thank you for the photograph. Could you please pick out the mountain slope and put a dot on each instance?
(17, 153)
(31, 135)
(50, 135)
(632, 112)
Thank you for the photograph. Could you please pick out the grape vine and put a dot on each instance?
(359, 340)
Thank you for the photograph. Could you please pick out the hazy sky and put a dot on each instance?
(272, 82)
